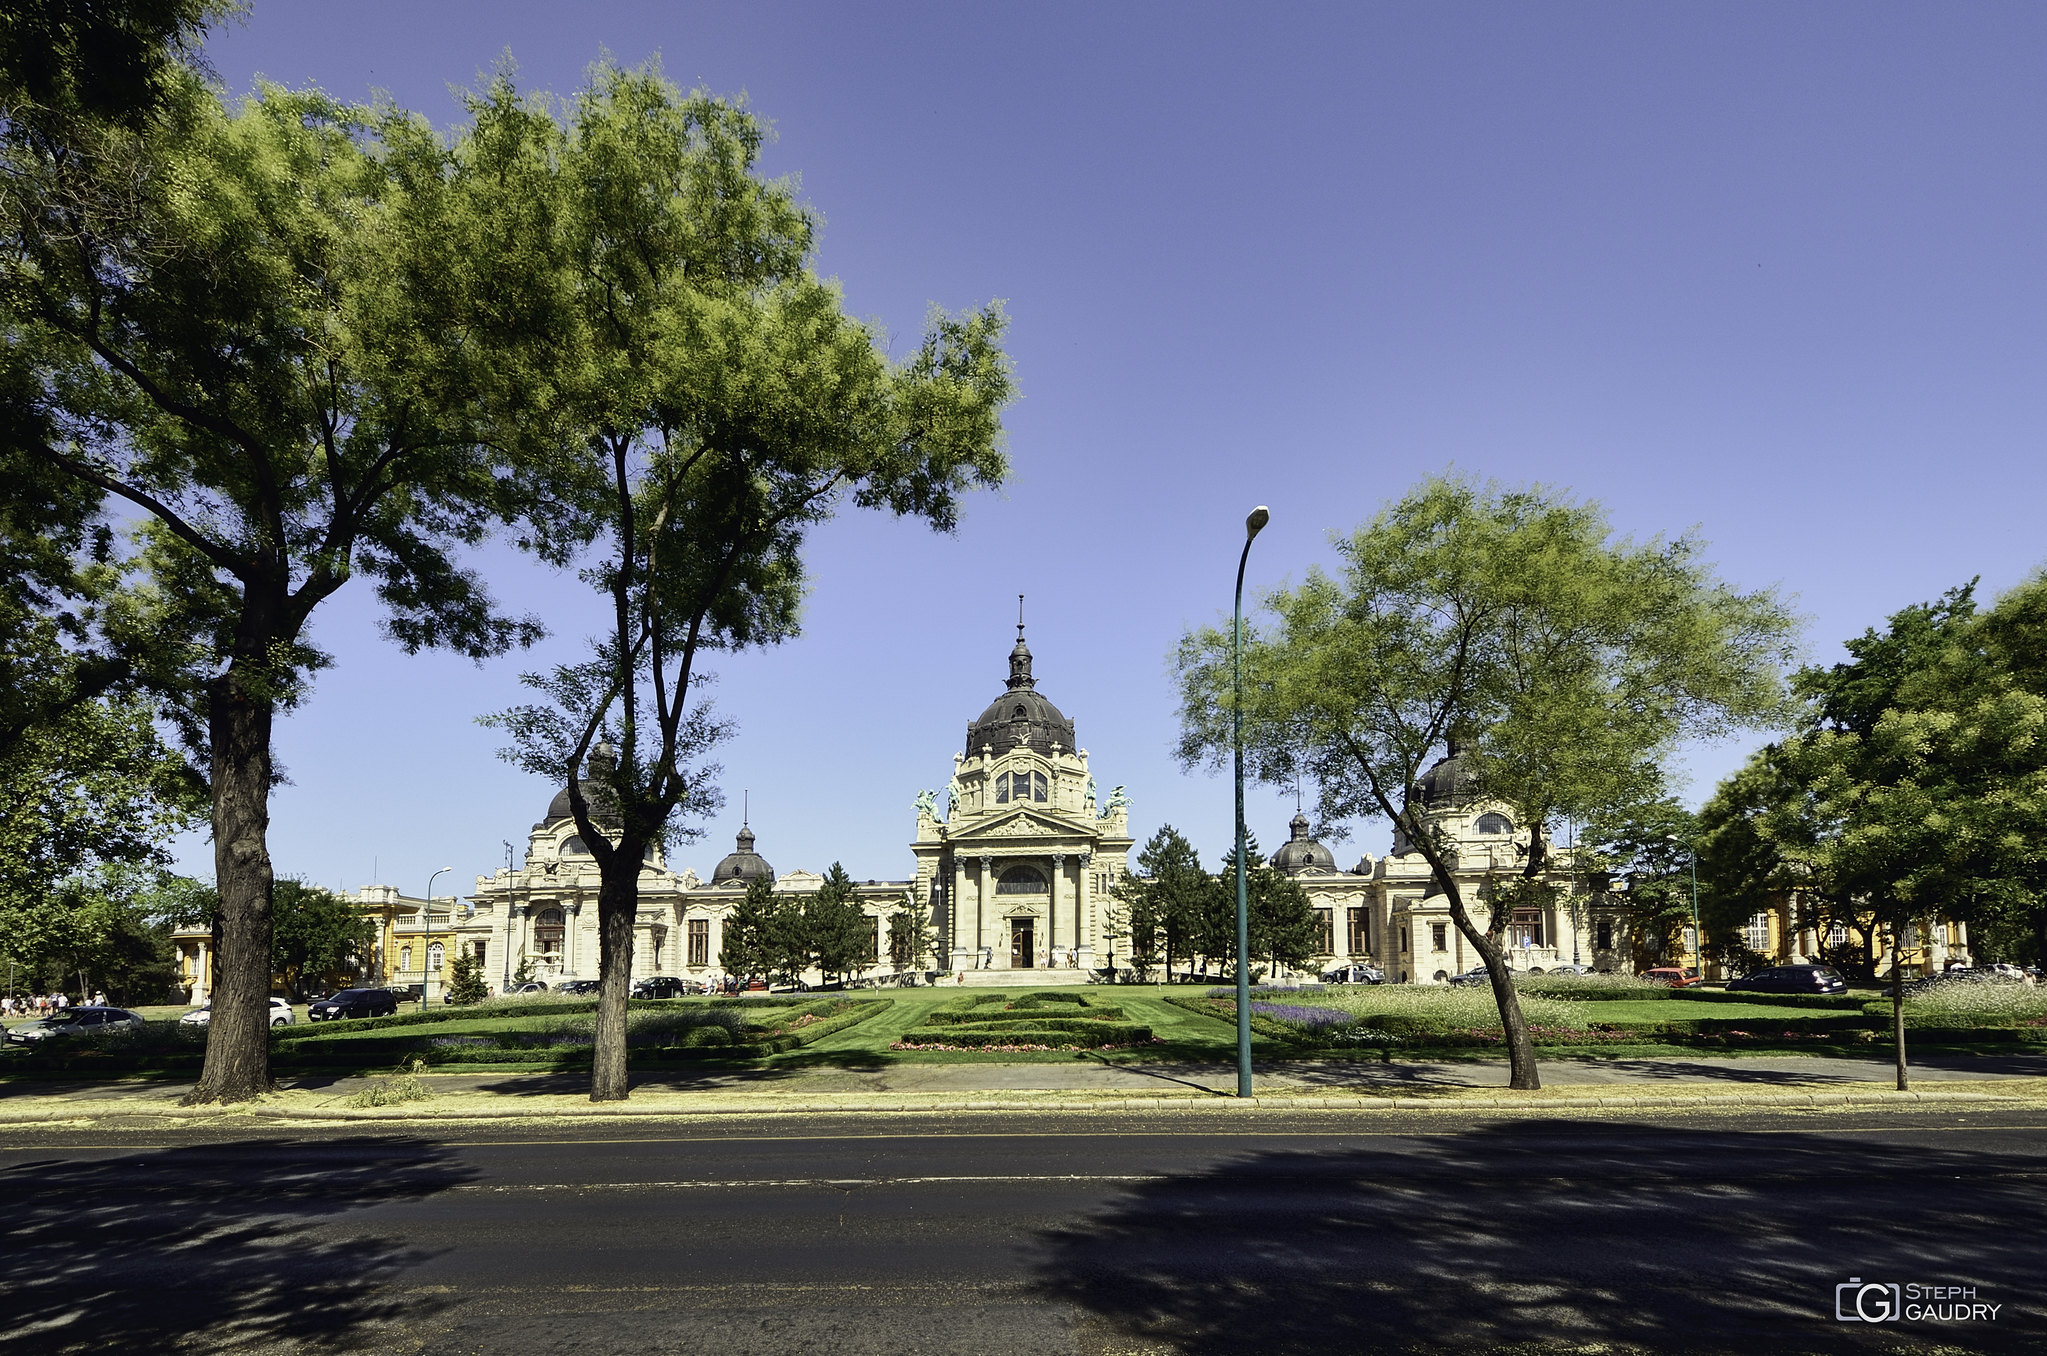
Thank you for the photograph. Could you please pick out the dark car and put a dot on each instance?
(354, 1003)
(577, 986)
(661, 986)
(1479, 974)
(1790, 979)
(75, 1022)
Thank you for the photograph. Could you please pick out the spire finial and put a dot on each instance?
(1019, 616)
(745, 807)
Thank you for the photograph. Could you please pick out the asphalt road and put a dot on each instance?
(1036, 1234)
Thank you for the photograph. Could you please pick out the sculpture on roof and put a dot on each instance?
(927, 804)
(1117, 801)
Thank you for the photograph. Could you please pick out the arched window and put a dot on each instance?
(1021, 880)
(548, 931)
(1495, 824)
(405, 958)
(435, 956)
(1022, 786)
(574, 847)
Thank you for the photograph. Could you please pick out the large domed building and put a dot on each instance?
(1016, 868)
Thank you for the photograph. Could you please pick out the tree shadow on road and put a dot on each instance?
(1562, 1236)
(224, 1247)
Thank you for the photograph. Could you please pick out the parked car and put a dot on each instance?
(1477, 975)
(577, 986)
(73, 1023)
(1357, 973)
(1790, 979)
(661, 986)
(280, 1014)
(354, 1003)
(1565, 969)
(1675, 977)
(530, 986)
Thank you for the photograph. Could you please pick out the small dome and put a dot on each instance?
(1020, 717)
(742, 863)
(1451, 781)
(596, 784)
(1302, 853)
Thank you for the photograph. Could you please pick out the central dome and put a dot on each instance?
(1301, 852)
(1020, 718)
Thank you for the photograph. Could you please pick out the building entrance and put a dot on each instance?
(1022, 951)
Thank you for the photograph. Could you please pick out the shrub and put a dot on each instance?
(391, 1090)
(1090, 1036)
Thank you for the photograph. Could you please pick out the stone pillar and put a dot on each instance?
(202, 977)
(572, 919)
(1052, 912)
(1083, 913)
(984, 901)
(955, 905)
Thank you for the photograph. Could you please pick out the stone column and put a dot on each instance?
(1052, 912)
(572, 919)
(1083, 913)
(202, 977)
(955, 904)
(984, 901)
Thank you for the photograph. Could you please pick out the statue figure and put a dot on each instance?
(1090, 786)
(927, 804)
(1117, 801)
(954, 795)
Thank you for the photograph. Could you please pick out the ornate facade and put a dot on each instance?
(1016, 871)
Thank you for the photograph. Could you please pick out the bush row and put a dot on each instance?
(952, 1017)
(1092, 1035)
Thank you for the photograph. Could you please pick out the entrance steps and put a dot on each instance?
(1015, 979)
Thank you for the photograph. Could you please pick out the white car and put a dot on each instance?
(280, 1014)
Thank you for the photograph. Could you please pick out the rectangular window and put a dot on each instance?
(1360, 932)
(1756, 935)
(699, 941)
(1603, 939)
(874, 943)
(1526, 929)
(482, 951)
(1439, 936)
(1325, 932)
(1403, 937)
(1040, 789)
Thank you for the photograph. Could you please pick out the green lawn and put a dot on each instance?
(1634, 1012)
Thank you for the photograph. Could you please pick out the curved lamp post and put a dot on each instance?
(426, 946)
(1258, 519)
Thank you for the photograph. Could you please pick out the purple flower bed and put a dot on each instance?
(1315, 1019)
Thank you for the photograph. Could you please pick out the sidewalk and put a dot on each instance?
(1462, 1089)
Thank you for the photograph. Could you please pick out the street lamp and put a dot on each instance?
(426, 946)
(1252, 525)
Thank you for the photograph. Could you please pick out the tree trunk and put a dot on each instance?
(238, 1032)
(618, 902)
(1898, 1011)
(1521, 1071)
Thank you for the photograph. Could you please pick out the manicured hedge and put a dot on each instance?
(1091, 1034)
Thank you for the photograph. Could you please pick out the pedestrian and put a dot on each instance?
(99, 998)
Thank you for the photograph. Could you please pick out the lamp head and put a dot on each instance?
(1258, 519)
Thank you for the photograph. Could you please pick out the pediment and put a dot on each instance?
(1019, 824)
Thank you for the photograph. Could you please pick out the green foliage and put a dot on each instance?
(465, 979)
(839, 933)
(1569, 663)
(909, 934)
(316, 935)
(745, 951)
(1278, 916)
(104, 928)
(107, 61)
(1915, 784)
(1639, 857)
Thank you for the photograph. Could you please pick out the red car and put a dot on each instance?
(1674, 977)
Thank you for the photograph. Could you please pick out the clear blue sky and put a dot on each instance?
(1770, 271)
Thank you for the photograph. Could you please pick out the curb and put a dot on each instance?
(1027, 1100)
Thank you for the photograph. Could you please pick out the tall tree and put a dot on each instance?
(1510, 615)
(1642, 854)
(842, 939)
(909, 934)
(744, 952)
(1283, 929)
(266, 332)
(316, 933)
(713, 402)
